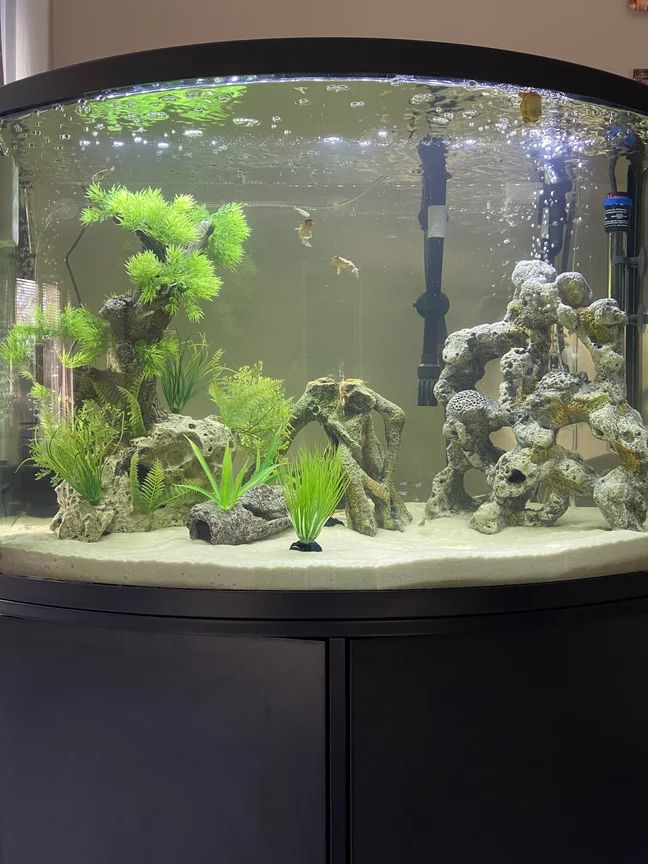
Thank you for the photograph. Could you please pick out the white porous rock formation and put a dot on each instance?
(538, 396)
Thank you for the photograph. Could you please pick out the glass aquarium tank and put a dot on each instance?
(385, 305)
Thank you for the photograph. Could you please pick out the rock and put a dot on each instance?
(76, 519)
(538, 397)
(258, 514)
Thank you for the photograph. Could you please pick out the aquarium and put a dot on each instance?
(277, 322)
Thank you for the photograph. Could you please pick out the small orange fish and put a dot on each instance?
(341, 264)
(305, 230)
(530, 106)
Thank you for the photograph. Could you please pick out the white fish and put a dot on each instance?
(341, 264)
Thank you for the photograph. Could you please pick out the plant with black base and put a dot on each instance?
(226, 490)
(313, 486)
(75, 449)
(182, 243)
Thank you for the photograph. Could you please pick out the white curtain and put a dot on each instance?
(25, 28)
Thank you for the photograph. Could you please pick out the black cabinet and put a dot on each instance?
(450, 726)
(122, 747)
(511, 745)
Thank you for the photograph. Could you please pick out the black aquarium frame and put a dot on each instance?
(460, 725)
(331, 56)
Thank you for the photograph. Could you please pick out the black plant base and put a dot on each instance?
(331, 521)
(306, 547)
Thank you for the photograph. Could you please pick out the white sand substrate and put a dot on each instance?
(443, 552)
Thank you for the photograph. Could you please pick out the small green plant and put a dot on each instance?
(153, 492)
(75, 449)
(252, 405)
(184, 372)
(227, 490)
(313, 486)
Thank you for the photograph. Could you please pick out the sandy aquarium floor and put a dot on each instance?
(444, 552)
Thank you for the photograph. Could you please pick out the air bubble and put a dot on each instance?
(358, 104)
(421, 98)
(337, 88)
(245, 121)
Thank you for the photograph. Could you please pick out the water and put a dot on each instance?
(345, 152)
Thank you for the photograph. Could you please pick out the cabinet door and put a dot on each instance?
(123, 747)
(521, 745)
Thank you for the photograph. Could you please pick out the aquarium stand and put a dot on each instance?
(455, 725)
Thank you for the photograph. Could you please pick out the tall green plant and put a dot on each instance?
(185, 372)
(313, 487)
(75, 450)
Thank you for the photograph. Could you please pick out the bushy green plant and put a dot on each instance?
(184, 372)
(152, 492)
(252, 405)
(313, 487)
(182, 105)
(226, 490)
(75, 449)
(182, 240)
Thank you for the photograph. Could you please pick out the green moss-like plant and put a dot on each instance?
(226, 490)
(252, 405)
(204, 105)
(184, 372)
(182, 244)
(75, 449)
(313, 486)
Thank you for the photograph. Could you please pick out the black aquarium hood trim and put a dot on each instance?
(322, 57)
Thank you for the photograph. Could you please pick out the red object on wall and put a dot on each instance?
(640, 75)
(638, 5)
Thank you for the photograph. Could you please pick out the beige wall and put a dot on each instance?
(601, 33)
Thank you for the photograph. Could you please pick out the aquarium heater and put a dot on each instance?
(626, 259)
(433, 304)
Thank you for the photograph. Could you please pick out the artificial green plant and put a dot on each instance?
(152, 491)
(184, 372)
(75, 447)
(182, 243)
(254, 406)
(226, 490)
(313, 485)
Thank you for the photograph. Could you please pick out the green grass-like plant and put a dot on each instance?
(184, 372)
(252, 405)
(75, 449)
(313, 486)
(226, 490)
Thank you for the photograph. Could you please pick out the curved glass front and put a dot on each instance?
(224, 305)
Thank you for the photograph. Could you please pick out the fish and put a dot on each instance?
(341, 264)
(305, 230)
(530, 106)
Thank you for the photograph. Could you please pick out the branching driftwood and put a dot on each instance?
(344, 410)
